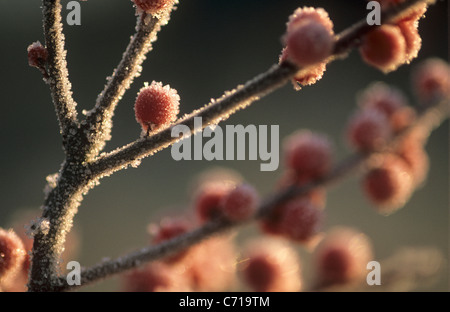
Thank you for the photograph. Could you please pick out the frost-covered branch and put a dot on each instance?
(58, 80)
(98, 121)
(430, 119)
(220, 109)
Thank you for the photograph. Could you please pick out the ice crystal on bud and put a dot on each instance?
(37, 54)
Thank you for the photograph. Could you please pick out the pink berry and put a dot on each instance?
(368, 130)
(432, 79)
(209, 199)
(170, 228)
(384, 48)
(389, 184)
(402, 118)
(12, 253)
(382, 97)
(240, 203)
(301, 15)
(308, 154)
(308, 43)
(305, 77)
(271, 266)
(156, 106)
(412, 37)
(342, 257)
(301, 220)
(153, 6)
(37, 54)
(413, 153)
(412, 14)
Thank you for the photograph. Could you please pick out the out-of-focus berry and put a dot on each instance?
(240, 203)
(432, 79)
(12, 253)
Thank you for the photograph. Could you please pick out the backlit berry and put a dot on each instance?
(12, 253)
(416, 158)
(384, 48)
(156, 106)
(412, 37)
(301, 220)
(382, 97)
(240, 203)
(301, 15)
(37, 54)
(271, 266)
(153, 6)
(389, 183)
(432, 79)
(308, 42)
(342, 257)
(308, 154)
(167, 229)
(368, 130)
(209, 199)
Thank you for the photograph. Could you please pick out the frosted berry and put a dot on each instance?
(368, 130)
(389, 184)
(37, 54)
(308, 42)
(384, 48)
(432, 79)
(170, 228)
(411, 14)
(156, 106)
(301, 220)
(412, 37)
(382, 97)
(12, 253)
(153, 6)
(271, 266)
(209, 199)
(240, 203)
(301, 15)
(308, 154)
(342, 257)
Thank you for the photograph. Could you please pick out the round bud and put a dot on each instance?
(209, 199)
(389, 184)
(368, 130)
(308, 43)
(308, 154)
(37, 54)
(153, 6)
(301, 15)
(301, 220)
(240, 203)
(384, 48)
(156, 106)
(412, 37)
(12, 253)
(432, 79)
(342, 257)
(382, 97)
(271, 266)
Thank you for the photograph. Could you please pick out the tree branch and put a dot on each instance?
(58, 80)
(220, 109)
(427, 121)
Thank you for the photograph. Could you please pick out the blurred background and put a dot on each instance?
(208, 47)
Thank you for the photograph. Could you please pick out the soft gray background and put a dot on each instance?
(208, 47)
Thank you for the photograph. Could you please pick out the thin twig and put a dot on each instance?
(427, 121)
(220, 109)
(58, 80)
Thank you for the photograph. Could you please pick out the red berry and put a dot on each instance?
(411, 14)
(384, 48)
(389, 183)
(402, 118)
(156, 106)
(432, 79)
(209, 199)
(382, 97)
(301, 220)
(271, 266)
(240, 203)
(308, 42)
(168, 229)
(368, 130)
(308, 154)
(37, 54)
(153, 6)
(413, 153)
(342, 257)
(301, 15)
(12, 253)
(412, 39)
